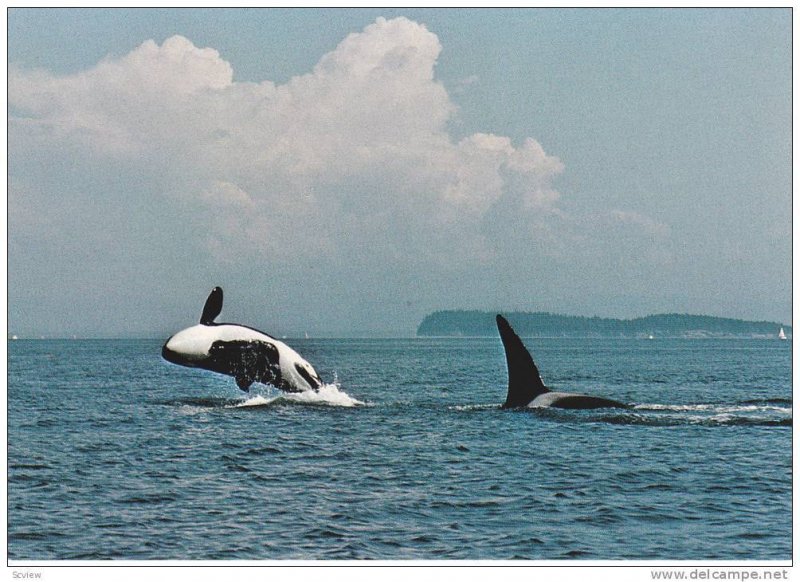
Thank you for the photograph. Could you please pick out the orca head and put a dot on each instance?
(189, 347)
(192, 346)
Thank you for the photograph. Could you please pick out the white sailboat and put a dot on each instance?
(781, 334)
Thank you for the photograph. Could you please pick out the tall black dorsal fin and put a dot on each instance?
(212, 307)
(524, 381)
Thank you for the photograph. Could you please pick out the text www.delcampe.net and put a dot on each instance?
(719, 574)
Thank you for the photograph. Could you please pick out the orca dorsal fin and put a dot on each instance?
(212, 307)
(524, 381)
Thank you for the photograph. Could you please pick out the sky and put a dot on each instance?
(344, 172)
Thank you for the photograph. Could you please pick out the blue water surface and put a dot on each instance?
(115, 454)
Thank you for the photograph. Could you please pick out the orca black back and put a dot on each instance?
(524, 381)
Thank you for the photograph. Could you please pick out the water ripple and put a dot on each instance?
(410, 458)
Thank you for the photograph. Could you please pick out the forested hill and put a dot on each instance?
(482, 323)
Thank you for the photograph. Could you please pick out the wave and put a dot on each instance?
(749, 406)
(474, 407)
(765, 412)
(766, 401)
(709, 415)
(708, 421)
(772, 412)
(199, 402)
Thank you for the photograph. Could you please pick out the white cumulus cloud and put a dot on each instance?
(351, 162)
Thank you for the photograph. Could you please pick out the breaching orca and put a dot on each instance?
(245, 353)
(525, 386)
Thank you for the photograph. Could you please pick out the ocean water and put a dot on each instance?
(115, 454)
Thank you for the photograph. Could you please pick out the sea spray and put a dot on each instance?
(327, 395)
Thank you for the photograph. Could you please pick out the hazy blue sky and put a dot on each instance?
(349, 171)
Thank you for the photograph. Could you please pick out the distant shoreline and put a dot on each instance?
(462, 323)
(481, 324)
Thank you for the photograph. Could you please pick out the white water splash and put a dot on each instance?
(255, 400)
(327, 395)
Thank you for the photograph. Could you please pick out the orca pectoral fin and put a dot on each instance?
(312, 379)
(244, 383)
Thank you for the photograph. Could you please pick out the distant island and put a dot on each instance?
(482, 323)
